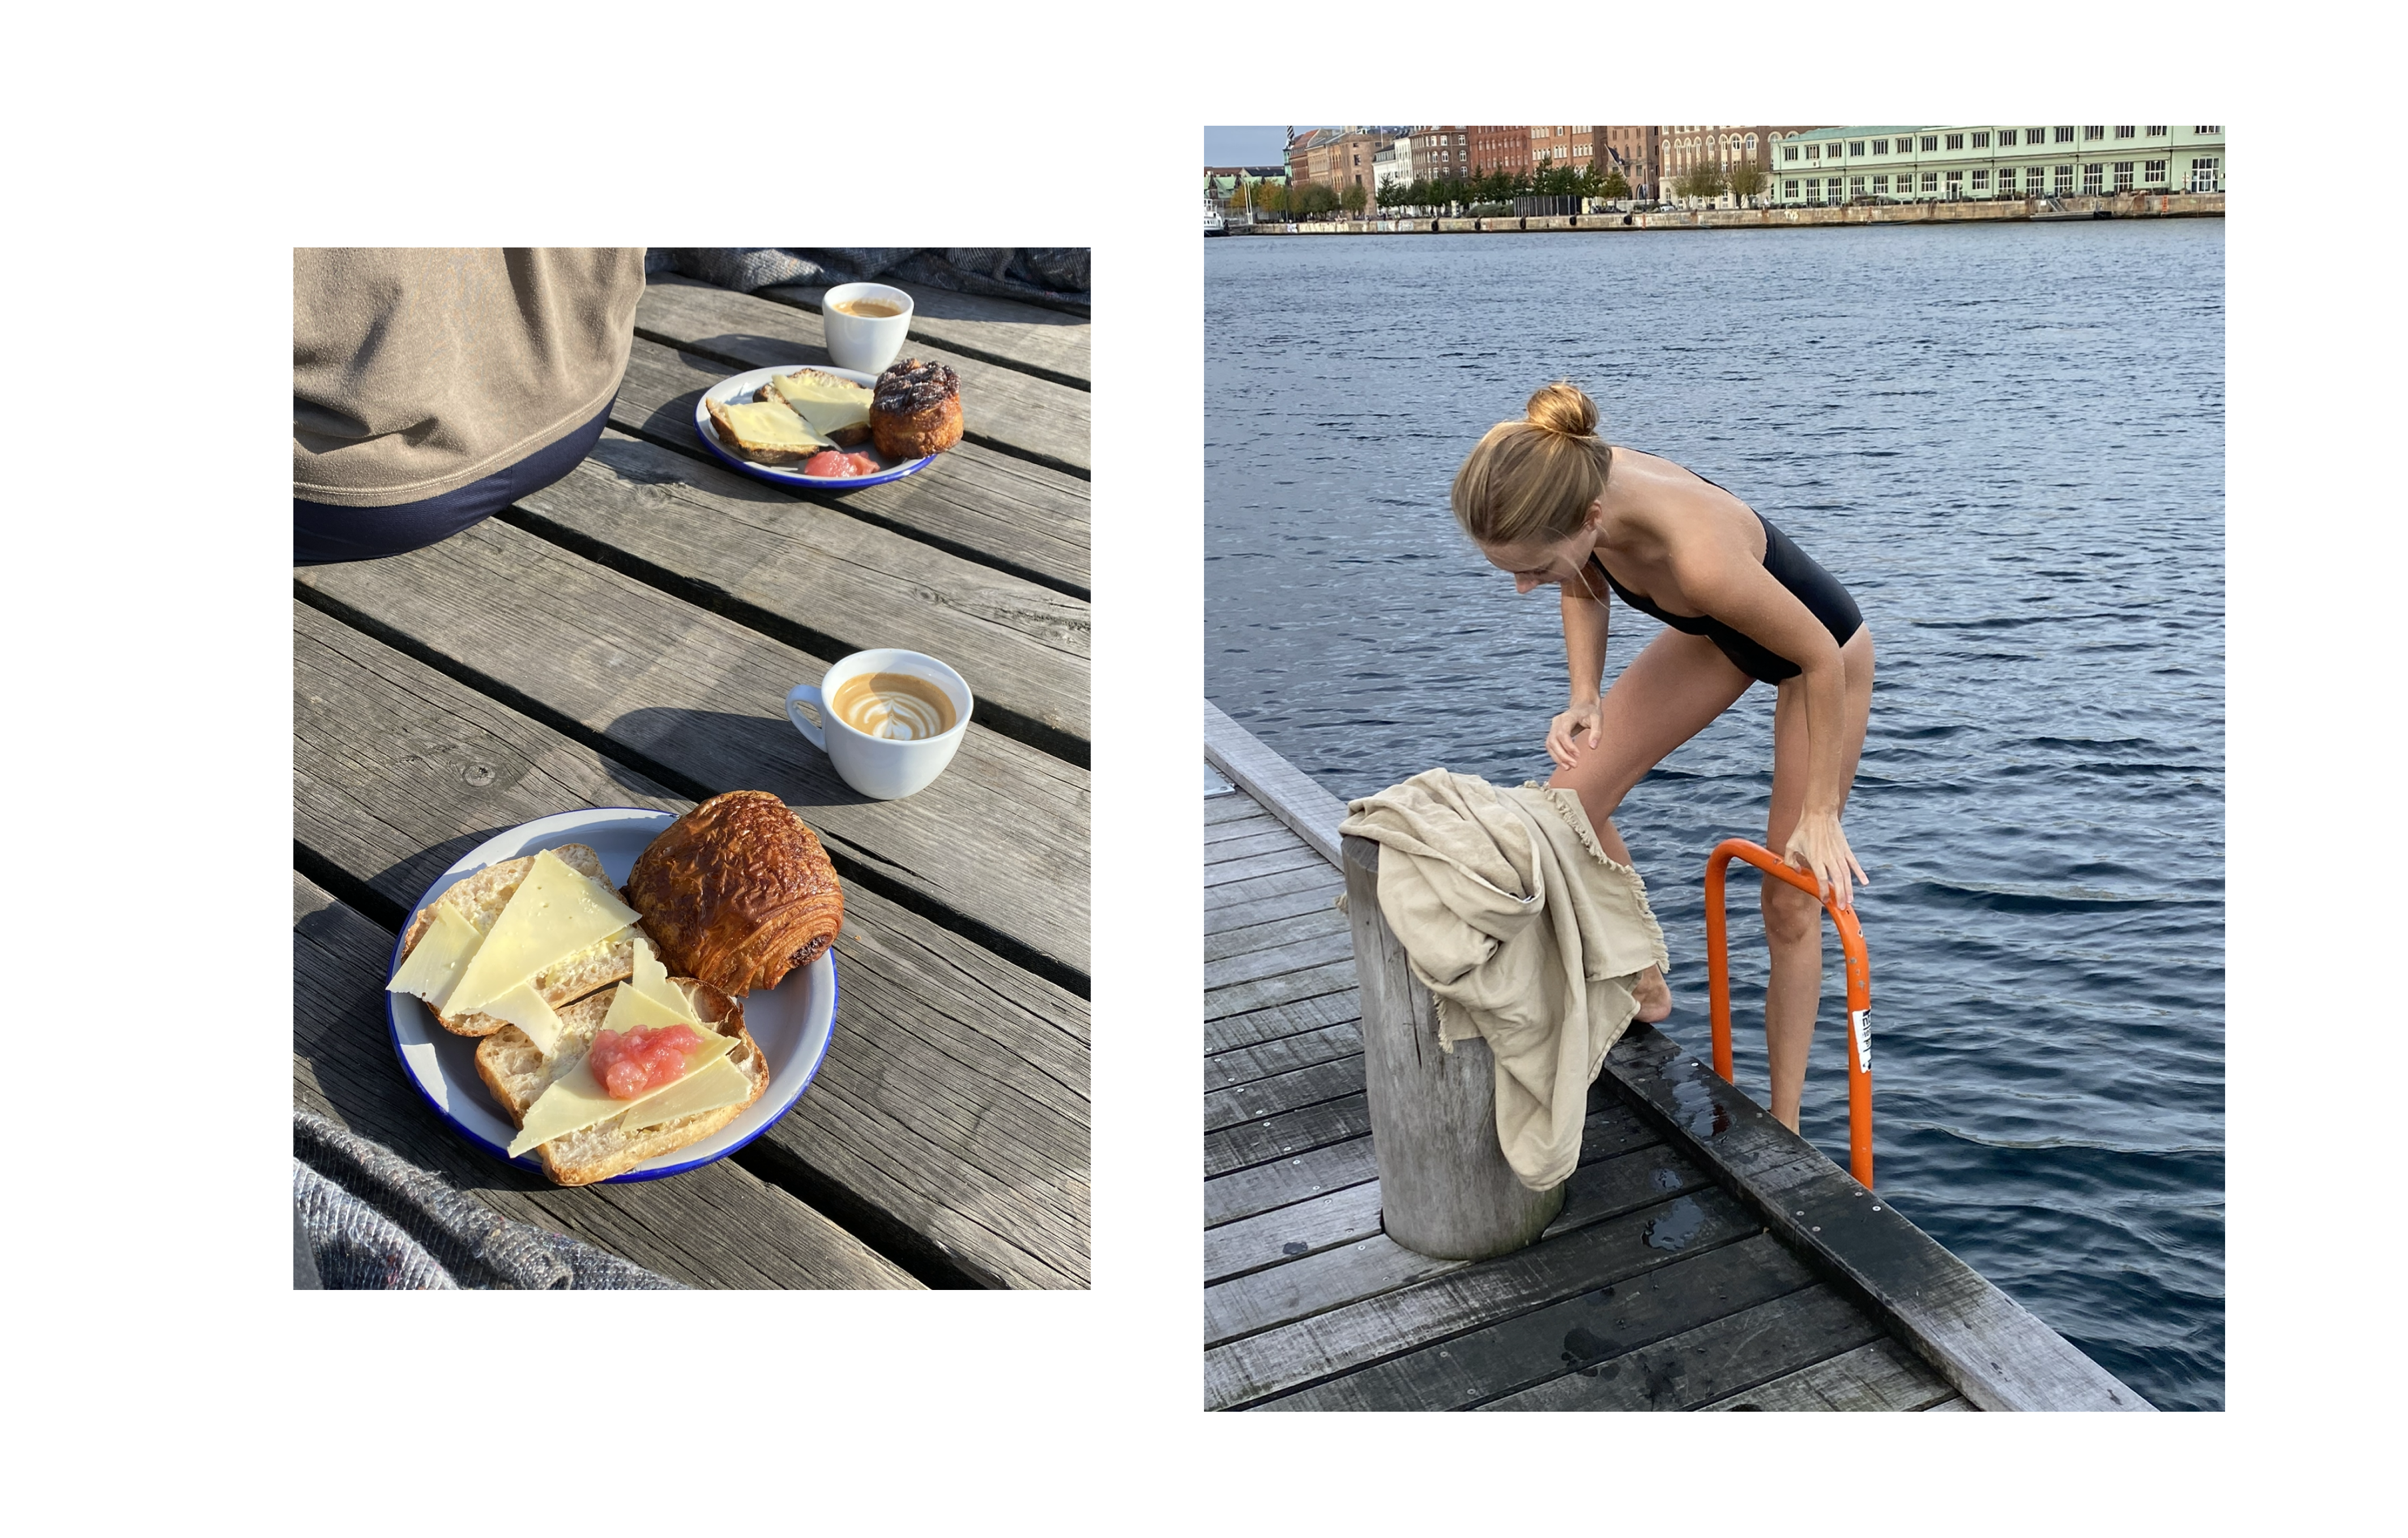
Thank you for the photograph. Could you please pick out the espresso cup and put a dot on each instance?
(865, 342)
(883, 767)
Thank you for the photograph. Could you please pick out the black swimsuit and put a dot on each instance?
(1794, 569)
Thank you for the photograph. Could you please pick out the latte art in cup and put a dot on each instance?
(899, 706)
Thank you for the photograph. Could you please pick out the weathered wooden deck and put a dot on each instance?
(1690, 1268)
(625, 637)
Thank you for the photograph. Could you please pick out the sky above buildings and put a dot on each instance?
(1248, 146)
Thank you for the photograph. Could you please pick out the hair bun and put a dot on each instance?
(1563, 408)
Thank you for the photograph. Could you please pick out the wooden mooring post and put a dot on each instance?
(1445, 1189)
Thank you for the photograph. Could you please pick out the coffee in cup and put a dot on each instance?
(866, 324)
(871, 309)
(889, 720)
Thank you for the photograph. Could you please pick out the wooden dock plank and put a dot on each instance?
(1283, 1136)
(718, 1226)
(978, 503)
(1241, 827)
(1715, 1358)
(1264, 1187)
(843, 585)
(1295, 1356)
(1252, 1027)
(1280, 960)
(952, 1103)
(1282, 1093)
(1268, 934)
(1233, 905)
(1285, 1055)
(1001, 407)
(1046, 343)
(1231, 806)
(1219, 872)
(1585, 1333)
(1880, 1376)
(1347, 1272)
(1275, 838)
(665, 684)
(1287, 988)
(1283, 789)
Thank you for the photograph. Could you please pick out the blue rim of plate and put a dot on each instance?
(529, 1161)
(737, 387)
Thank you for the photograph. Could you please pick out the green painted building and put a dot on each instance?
(1912, 163)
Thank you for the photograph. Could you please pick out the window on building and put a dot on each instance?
(2094, 179)
(1956, 141)
(2064, 180)
(1855, 147)
(1981, 181)
(1930, 143)
(1982, 140)
(2035, 136)
(2155, 130)
(1930, 181)
(1856, 186)
(1880, 147)
(2206, 174)
(2123, 176)
(2126, 130)
(1789, 188)
(2093, 131)
(1956, 184)
(1881, 186)
(2006, 178)
(2064, 134)
(2207, 128)
(1813, 151)
(2154, 170)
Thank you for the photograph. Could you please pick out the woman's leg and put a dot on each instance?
(1669, 693)
(1793, 922)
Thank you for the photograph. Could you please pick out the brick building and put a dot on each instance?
(1503, 148)
(1441, 151)
(1635, 150)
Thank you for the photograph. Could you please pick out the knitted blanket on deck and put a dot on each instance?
(1055, 276)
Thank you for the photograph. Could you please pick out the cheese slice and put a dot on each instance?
(630, 1009)
(828, 403)
(721, 1084)
(651, 980)
(433, 968)
(525, 1008)
(770, 423)
(577, 1100)
(554, 914)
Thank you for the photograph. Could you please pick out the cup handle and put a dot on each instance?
(804, 706)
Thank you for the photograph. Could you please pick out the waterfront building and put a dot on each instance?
(1687, 146)
(1441, 151)
(1916, 162)
(1505, 148)
(1221, 182)
(1299, 157)
(1394, 162)
(1632, 149)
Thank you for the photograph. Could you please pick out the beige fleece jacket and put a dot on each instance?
(418, 371)
(1526, 933)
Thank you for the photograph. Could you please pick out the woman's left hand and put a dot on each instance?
(1817, 845)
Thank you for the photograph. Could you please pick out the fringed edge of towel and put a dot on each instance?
(1569, 808)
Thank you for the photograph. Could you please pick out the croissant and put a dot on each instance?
(737, 892)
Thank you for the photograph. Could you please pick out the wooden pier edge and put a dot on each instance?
(1993, 1351)
(1997, 1353)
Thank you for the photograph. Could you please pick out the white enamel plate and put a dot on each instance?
(741, 387)
(791, 1023)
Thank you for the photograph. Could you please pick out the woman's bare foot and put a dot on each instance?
(1654, 994)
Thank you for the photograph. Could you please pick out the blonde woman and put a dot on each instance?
(1550, 501)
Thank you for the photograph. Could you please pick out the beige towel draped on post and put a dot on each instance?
(1527, 935)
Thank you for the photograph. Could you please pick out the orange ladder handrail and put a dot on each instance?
(1860, 989)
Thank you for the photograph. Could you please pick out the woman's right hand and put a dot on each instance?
(1582, 724)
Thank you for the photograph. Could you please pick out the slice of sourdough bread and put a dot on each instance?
(515, 1074)
(481, 897)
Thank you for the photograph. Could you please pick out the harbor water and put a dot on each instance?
(2007, 442)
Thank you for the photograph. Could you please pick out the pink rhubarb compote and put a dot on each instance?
(644, 1059)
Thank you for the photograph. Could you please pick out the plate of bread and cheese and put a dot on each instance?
(618, 994)
(832, 429)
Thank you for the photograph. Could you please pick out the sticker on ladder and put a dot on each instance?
(1862, 1020)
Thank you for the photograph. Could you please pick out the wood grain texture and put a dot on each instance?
(977, 502)
(1276, 836)
(1283, 789)
(1224, 1033)
(1317, 922)
(1033, 339)
(952, 1103)
(1298, 1288)
(1263, 1188)
(1282, 1093)
(715, 1227)
(1232, 904)
(1997, 1355)
(1286, 989)
(1286, 1135)
(1001, 838)
(1881, 1376)
(1001, 407)
(1220, 873)
(1589, 1333)
(1222, 831)
(1287, 1053)
(848, 585)
(1446, 1186)
(1699, 1365)
(1295, 1356)
(1295, 956)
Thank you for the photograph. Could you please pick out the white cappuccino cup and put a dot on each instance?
(865, 342)
(904, 752)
